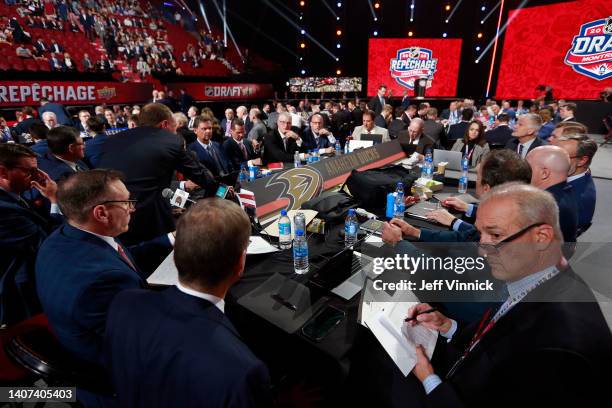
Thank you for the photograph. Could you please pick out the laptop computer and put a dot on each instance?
(452, 158)
(374, 137)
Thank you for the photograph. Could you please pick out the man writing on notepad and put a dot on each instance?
(547, 344)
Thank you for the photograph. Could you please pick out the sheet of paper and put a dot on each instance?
(386, 321)
(258, 245)
(166, 273)
(272, 229)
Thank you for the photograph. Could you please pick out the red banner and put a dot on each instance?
(397, 63)
(19, 93)
(223, 91)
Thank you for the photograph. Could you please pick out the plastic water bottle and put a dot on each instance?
(338, 148)
(310, 157)
(300, 253)
(399, 206)
(284, 231)
(316, 157)
(463, 180)
(299, 221)
(244, 174)
(296, 160)
(427, 170)
(346, 146)
(252, 173)
(350, 228)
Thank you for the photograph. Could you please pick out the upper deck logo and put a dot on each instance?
(591, 52)
(413, 63)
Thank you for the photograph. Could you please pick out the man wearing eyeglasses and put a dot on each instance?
(547, 344)
(281, 144)
(22, 230)
(82, 266)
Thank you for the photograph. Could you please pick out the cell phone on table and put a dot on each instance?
(323, 322)
(222, 191)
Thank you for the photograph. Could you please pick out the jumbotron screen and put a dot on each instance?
(396, 63)
(325, 84)
(567, 46)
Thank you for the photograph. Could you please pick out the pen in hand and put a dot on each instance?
(433, 309)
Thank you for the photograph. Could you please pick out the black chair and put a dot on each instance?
(39, 352)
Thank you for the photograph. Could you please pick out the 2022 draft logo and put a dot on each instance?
(591, 52)
(413, 63)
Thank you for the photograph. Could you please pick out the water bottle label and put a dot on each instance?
(300, 251)
(463, 180)
(350, 228)
(284, 229)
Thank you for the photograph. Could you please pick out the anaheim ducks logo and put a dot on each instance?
(299, 185)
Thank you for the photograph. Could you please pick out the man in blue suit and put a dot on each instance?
(316, 136)
(209, 153)
(93, 147)
(65, 155)
(62, 115)
(502, 134)
(581, 150)
(81, 266)
(39, 132)
(22, 231)
(177, 347)
(237, 150)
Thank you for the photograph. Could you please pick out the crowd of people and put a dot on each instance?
(82, 196)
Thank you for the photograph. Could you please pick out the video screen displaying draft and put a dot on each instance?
(567, 46)
(325, 84)
(398, 62)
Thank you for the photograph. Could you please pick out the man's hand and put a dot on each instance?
(46, 186)
(423, 367)
(433, 320)
(457, 204)
(441, 216)
(391, 234)
(292, 134)
(190, 186)
(255, 144)
(408, 230)
(324, 132)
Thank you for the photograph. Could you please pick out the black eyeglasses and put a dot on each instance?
(510, 238)
(31, 171)
(131, 203)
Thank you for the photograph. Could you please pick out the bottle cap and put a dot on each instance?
(299, 233)
(283, 213)
(351, 211)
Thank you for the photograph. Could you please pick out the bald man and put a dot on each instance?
(414, 136)
(549, 168)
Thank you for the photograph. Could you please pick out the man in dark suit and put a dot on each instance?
(40, 47)
(525, 135)
(93, 147)
(280, 145)
(65, 155)
(550, 166)
(502, 134)
(457, 131)
(148, 155)
(567, 111)
(356, 115)
(22, 231)
(377, 103)
(433, 128)
(56, 48)
(21, 129)
(397, 124)
(39, 132)
(409, 113)
(81, 266)
(581, 150)
(209, 153)
(204, 362)
(62, 115)
(226, 122)
(316, 136)
(238, 150)
(414, 136)
(529, 348)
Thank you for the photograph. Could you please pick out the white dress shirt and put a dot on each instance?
(217, 301)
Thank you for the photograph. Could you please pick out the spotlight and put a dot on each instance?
(337, 18)
(302, 3)
(412, 6)
(302, 45)
(338, 45)
(302, 32)
(339, 4)
(446, 21)
(479, 35)
(337, 59)
(410, 33)
(377, 5)
(300, 18)
(375, 33)
(338, 72)
(444, 35)
(481, 21)
(483, 8)
(375, 18)
(303, 72)
(447, 8)
(478, 48)
(301, 58)
(411, 19)
(477, 61)
(338, 32)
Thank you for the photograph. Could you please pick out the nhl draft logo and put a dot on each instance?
(591, 52)
(413, 63)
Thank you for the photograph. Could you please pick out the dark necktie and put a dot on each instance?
(520, 150)
(244, 150)
(123, 255)
(215, 158)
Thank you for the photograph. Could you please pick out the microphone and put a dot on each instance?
(167, 193)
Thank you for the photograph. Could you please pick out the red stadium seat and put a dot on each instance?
(18, 66)
(31, 65)
(4, 66)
